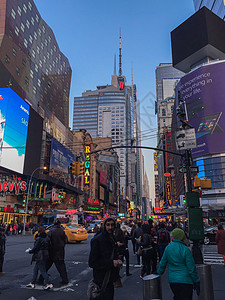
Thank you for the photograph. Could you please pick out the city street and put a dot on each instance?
(18, 272)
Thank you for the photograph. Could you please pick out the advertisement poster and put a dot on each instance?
(14, 118)
(61, 158)
(203, 91)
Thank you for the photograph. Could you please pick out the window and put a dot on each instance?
(28, 24)
(24, 8)
(39, 82)
(38, 50)
(14, 52)
(54, 47)
(19, 10)
(13, 14)
(163, 112)
(35, 35)
(43, 29)
(22, 27)
(37, 18)
(29, 5)
(26, 80)
(40, 64)
(33, 53)
(53, 63)
(36, 68)
(7, 59)
(46, 71)
(171, 109)
(51, 52)
(31, 74)
(42, 46)
(17, 30)
(24, 62)
(34, 89)
(31, 39)
(48, 55)
(44, 59)
(39, 31)
(49, 39)
(10, 34)
(32, 20)
(17, 71)
(25, 43)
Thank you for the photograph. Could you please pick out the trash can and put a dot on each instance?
(206, 282)
(152, 287)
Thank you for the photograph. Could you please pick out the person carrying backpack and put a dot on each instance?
(163, 239)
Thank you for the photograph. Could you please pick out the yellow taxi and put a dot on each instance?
(74, 232)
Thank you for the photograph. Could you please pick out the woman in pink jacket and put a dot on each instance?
(220, 241)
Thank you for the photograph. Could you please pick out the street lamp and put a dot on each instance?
(28, 193)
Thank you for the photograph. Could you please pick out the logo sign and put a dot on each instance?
(7, 186)
(155, 162)
(186, 139)
(93, 201)
(168, 189)
(87, 151)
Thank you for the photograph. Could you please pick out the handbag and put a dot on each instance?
(139, 252)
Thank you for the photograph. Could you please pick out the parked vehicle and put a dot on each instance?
(210, 234)
(74, 232)
(92, 228)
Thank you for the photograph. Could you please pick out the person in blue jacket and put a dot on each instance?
(182, 274)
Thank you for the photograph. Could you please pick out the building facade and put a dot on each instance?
(216, 6)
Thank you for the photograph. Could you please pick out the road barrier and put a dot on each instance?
(206, 282)
(152, 287)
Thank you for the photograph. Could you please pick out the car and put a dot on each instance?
(74, 232)
(210, 234)
(92, 228)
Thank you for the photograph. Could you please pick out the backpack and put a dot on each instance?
(163, 237)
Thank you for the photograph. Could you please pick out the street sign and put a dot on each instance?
(193, 169)
(186, 139)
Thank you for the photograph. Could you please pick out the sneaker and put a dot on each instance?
(48, 286)
(30, 285)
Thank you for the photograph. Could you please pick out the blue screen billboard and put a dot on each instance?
(203, 90)
(14, 118)
(61, 158)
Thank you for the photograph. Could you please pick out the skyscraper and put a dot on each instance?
(31, 61)
(217, 6)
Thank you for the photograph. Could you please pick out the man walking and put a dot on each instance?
(163, 239)
(57, 252)
(103, 258)
(137, 237)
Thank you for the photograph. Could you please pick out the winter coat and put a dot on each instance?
(137, 233)
(180, 262)
(58, 240)
(41, 248)
(146, 241)
(220, 241)
(100, 258)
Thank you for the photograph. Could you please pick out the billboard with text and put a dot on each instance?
(14, 118)
(203, 91)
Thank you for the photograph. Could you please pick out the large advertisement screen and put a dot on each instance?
(14, 118)
(61, 158)
(203, 90)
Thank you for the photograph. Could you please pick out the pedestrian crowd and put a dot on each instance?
(152, 243)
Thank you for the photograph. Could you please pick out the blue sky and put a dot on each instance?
(87, 32)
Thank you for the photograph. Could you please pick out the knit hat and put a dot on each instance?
(178, 234)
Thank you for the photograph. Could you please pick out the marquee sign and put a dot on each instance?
(7, 186)
(87, 150)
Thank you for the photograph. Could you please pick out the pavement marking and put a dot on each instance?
(213, 258)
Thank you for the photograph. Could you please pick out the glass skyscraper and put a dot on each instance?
(217, 6)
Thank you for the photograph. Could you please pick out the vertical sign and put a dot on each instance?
(87, 151)
(155, 162)
(168, 189)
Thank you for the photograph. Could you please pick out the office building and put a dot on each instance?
(216, 6)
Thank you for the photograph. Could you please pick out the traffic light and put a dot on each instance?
(80, 168)
(181, 108)
(24, 202)
(74, 168)
(60, 196)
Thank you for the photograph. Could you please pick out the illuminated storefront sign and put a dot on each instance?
(93, 201)
(87, 150)
(7, 186)
(155, 162)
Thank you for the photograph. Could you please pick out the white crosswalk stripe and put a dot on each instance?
(213, 258)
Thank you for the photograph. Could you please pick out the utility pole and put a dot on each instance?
(196, 232)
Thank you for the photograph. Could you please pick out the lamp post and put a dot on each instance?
(28, 193)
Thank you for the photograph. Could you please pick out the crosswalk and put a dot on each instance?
(213, 258)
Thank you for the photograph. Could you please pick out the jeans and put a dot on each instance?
(61, 268)
(161, 251)
(138, 256)
(182, 291)
(40, 266)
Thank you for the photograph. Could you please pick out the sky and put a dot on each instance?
(87, 32)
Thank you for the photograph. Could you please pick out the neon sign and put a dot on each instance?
(10, 186)
(93, 201)
(87, 150)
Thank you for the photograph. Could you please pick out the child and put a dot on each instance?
(2, 248)
(40, 253)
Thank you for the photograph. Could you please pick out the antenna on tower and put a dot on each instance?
(120, 57)
(132, 80)
(114, 64)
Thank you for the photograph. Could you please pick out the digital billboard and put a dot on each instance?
(14, 118)
(203, 91)
(60, 161)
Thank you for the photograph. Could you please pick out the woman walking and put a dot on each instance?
(220, 241)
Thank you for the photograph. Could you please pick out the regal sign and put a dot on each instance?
(87, 150)
(7, 186)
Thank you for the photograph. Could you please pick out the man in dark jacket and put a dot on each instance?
(137, 236)
(163, 239)
(57, 252)
(40, 253)
(103, 258)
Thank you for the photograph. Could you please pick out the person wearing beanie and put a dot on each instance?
(182, 274)
(103, 258)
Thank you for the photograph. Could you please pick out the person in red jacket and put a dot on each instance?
(220, 241)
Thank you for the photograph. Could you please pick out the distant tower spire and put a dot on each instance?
(132, 80)
(120, 57)
(114, 64)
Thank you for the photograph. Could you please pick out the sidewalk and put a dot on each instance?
(132, 286)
